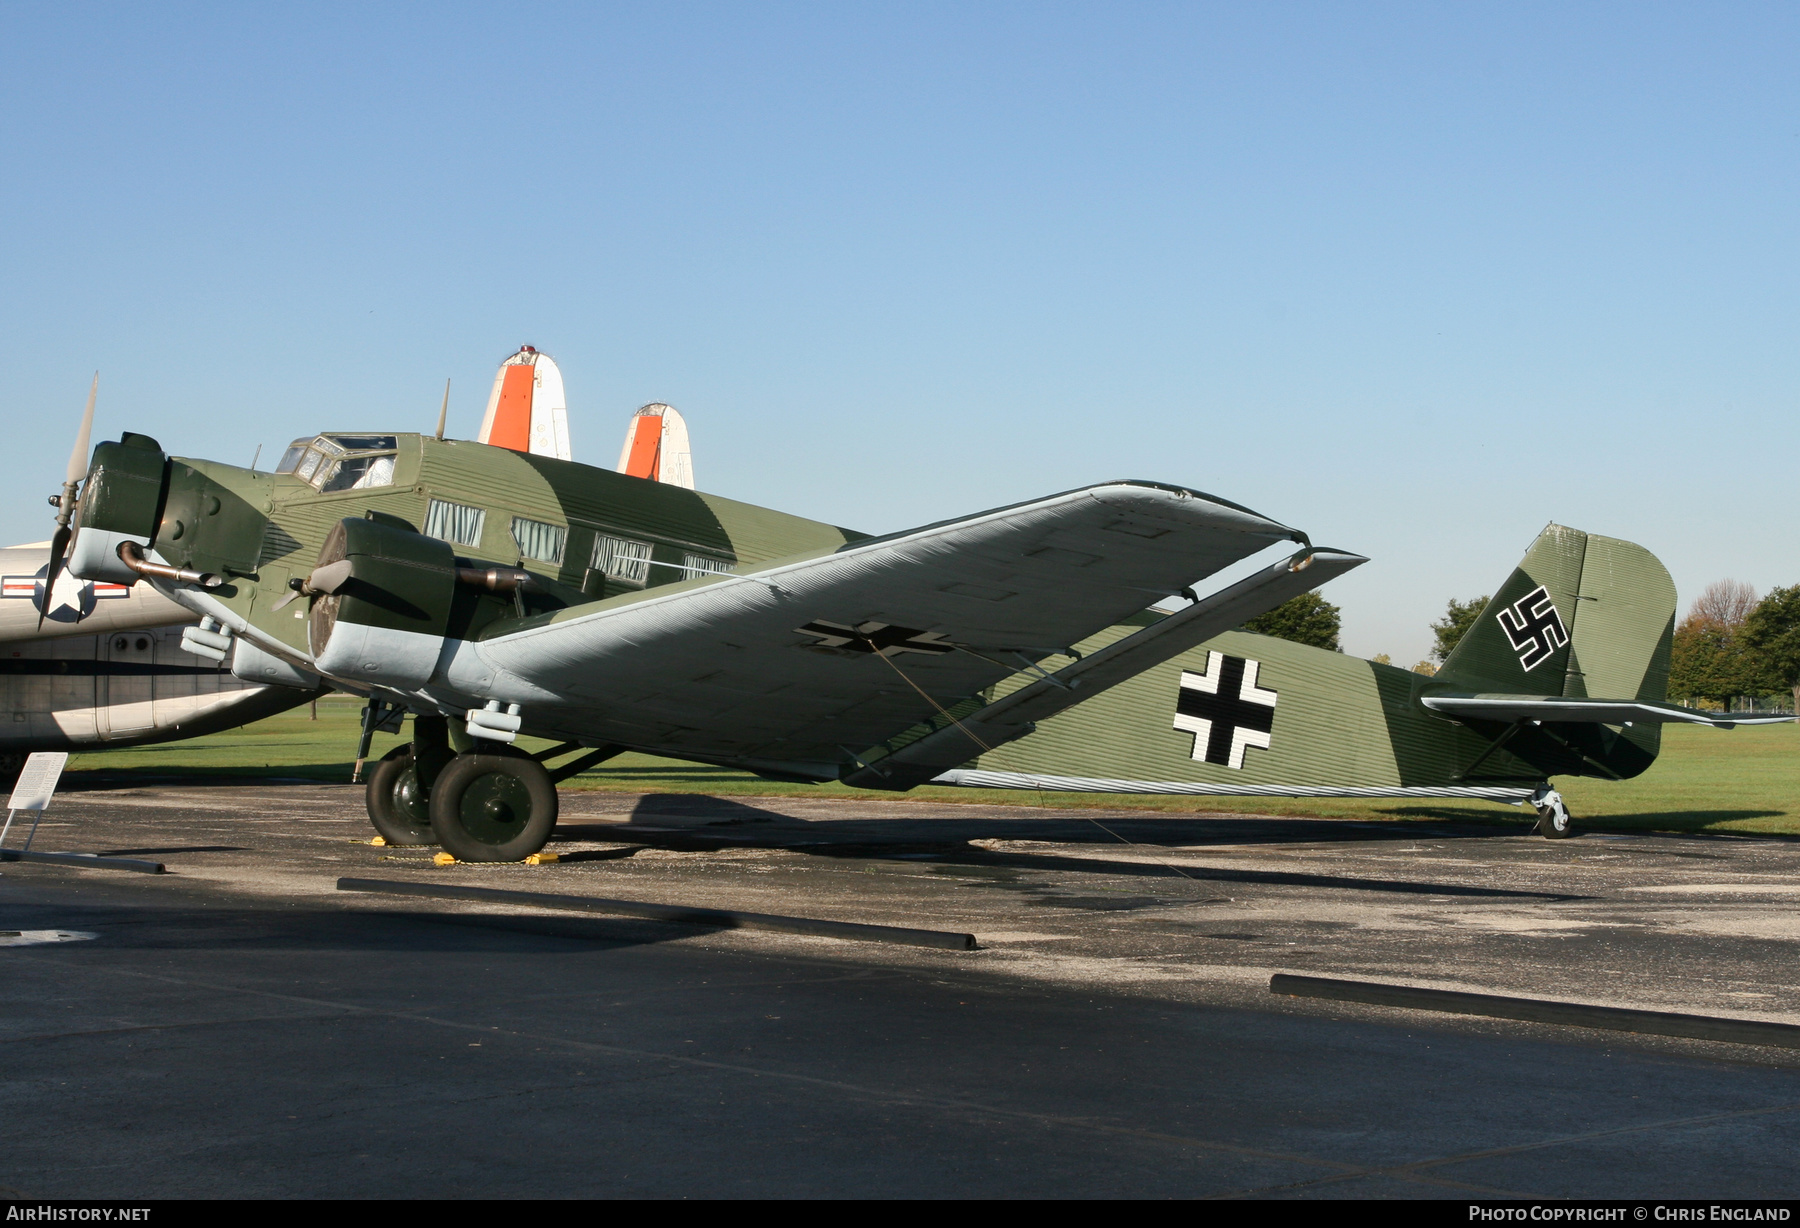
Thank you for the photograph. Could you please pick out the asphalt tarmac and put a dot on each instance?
(240, 1028)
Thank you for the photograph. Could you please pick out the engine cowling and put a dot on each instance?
(386, 622)
(122, 501)
(191, 518)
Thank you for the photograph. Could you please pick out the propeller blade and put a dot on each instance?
(59, 545)
(78, 459)
(329, 578)
(326, 579)
(65, 503)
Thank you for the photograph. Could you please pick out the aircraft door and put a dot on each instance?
(124, 692)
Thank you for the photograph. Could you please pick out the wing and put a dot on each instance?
(1015, 715)
(1561, 709)
(798, 667)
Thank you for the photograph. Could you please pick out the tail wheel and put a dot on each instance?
(1553, 822)
(398, 806)
(487, 807)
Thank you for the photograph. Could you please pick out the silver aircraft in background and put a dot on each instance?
(93, 665)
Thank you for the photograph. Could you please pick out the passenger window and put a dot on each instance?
(452, 522)
(621, 559)
(698, 564)
(540, 541)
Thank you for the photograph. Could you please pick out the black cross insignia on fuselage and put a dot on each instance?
(877, 638)
(1225, 710)
(1534, 627)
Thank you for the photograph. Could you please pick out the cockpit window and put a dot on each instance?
(341, 462)
(360, 473)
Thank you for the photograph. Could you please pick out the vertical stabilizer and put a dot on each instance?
(1583, 616)
(527, 411)
(656, 447)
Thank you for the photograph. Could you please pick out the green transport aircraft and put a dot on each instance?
(491, 592)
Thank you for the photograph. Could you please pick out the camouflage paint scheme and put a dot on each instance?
(1343, 723)
(1340, 724)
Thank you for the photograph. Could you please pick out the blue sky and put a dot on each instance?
(1414, 278)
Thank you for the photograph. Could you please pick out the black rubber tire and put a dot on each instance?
(396, 808)
(488, 807)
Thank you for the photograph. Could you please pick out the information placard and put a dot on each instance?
(37, 783)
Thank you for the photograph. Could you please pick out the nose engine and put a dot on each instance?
(142, 513)
(126, 491)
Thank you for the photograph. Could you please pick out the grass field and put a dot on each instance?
(1744, 780)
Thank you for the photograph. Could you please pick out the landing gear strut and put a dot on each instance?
(490, 802)
(399, 790)
(1553, 815)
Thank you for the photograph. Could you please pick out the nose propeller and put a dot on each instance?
(65, 503)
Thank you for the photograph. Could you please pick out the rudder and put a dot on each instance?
(1582, 615)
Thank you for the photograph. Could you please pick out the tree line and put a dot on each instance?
(1731, 644)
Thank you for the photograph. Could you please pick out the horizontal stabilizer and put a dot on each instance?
(1569, 710)
(1014, 715)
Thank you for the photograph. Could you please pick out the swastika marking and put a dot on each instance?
(1534, 627)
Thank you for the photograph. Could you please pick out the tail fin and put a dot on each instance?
(656, 447)
(1582, 616)
(526, 410)
(1563, 674)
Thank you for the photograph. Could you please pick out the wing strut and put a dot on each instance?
(1015, 715)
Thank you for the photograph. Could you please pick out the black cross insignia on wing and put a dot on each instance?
(1225, 710)
(1534, 627)
(882, 639)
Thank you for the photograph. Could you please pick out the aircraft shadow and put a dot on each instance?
(1670, 819)
(101, 779)
(698, 823)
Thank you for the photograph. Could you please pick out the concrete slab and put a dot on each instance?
(240, 1029)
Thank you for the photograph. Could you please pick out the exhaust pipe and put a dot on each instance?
(132, 555)
(493, 579)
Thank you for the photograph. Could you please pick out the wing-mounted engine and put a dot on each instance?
(383, 597)
(386, 597)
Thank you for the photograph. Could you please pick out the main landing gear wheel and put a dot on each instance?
(493, 807)
(398, 806)
(1553, 822)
